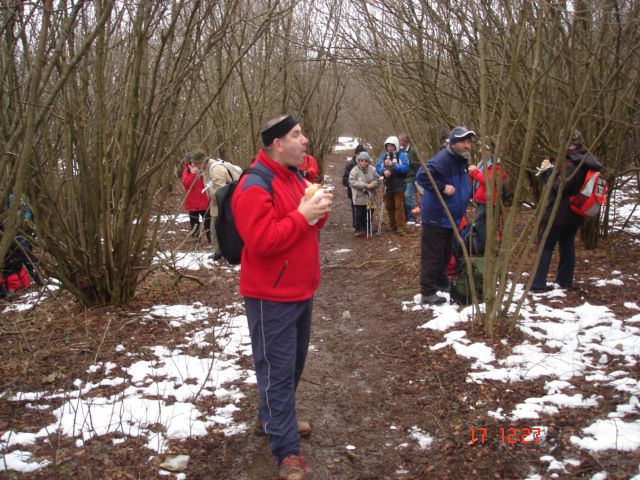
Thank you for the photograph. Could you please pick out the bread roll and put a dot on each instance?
(311, 191)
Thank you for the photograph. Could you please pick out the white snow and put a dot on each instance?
(161, 391)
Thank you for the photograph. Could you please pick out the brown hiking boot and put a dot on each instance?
(292, 468)
(304, 428)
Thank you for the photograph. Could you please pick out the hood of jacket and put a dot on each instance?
(393, 140)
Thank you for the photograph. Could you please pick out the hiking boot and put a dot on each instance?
(304, 428)
(292, 468)
(546, 288)
(433, 299)
(216, 256)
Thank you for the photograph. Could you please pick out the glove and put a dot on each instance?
(545, 165)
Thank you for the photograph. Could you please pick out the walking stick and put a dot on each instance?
(369, 215)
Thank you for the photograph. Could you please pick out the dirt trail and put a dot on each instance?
(369, 383)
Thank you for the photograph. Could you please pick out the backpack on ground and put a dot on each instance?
(592, 195)
(460, 288)
(229, 239)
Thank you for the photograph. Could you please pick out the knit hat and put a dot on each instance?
(360, 148)
(278, 130)
(576, 138)
(364, 156)
(460, 133)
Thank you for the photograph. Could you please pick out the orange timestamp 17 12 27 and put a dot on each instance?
(506, 435)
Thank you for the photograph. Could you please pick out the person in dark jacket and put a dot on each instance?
(449, 171)
(345, 181)
(410, 180)
(566, 223)
(394, 166)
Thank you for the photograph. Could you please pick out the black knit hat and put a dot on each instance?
(360, 148)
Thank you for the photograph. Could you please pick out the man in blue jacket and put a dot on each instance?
(449, 176)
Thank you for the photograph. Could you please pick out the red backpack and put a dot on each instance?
(591, 196)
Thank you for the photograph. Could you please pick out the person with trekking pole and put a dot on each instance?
(279, 224)
(364, 182)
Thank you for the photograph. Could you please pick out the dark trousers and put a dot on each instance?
(435, 252)
(565, 237)
(353, 215)
(194, 221)
(480, 224)
(279, 341)
(364, 218)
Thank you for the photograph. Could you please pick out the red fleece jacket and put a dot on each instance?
(281, 255)
(196, 200)
(480, 196)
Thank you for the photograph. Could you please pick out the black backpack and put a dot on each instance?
(229, 239)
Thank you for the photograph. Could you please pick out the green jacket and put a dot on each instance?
(414, 164)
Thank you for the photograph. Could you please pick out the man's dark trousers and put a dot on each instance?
(279, 340)
(435, 252)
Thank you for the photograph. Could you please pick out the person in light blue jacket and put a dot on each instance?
(449, 171)
(393, 165)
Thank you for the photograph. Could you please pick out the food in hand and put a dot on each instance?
(313, 190)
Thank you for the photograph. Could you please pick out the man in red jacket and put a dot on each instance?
(279, 275)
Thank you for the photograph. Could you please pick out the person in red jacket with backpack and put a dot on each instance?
(480, 193)
(196, 202)
(566, 222)
(280, 272)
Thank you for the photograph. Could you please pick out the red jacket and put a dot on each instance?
(480, 195)
(281, 255)
(310, 169)
(196, 200)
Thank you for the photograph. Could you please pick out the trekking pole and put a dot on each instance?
(369, 226)
(384, 188)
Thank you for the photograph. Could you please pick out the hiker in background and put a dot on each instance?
(196, 201)
(364, 182)
(310, 170)
(278, 279)
(216, 174)
(566, 223)
(480, 193)
(393, 165)
(410, 180)
(352, 162)
(448, 168)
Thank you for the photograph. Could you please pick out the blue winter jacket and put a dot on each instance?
(395, 182)
(446, 167)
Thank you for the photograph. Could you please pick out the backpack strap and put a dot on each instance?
(267, 179)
